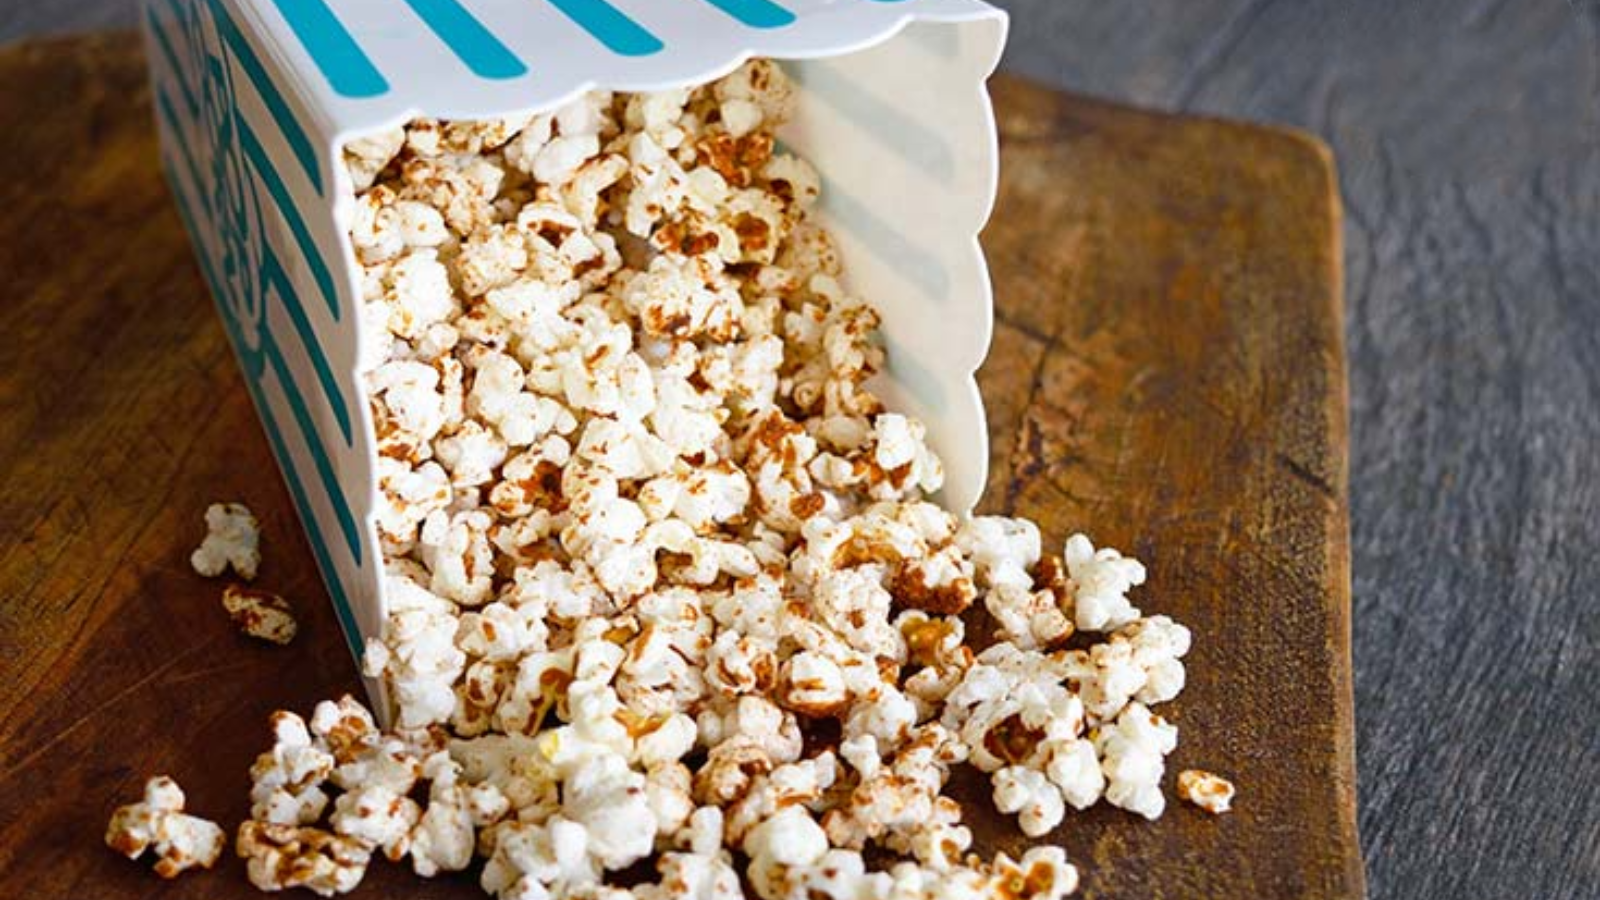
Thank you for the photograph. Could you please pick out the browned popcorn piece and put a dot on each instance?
(280, 857)
(158, 822)
(260, 614)
(1212, 793)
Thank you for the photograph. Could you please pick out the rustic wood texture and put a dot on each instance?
(1167, 374)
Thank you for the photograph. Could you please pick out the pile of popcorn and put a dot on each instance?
(663, 580)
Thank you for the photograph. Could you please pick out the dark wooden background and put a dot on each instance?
(1468, 142)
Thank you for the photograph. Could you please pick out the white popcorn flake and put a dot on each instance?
(286, 782)
(233, 540)
(1100, 581)
(158, 823)
(1212, 793)
(1074, 767)
(259, 614)
(662, 581)
(417, 293)
(693, 876)
(365, 157)
(1132, 751)
(1027, 793)
(377, 817)
(444, 837)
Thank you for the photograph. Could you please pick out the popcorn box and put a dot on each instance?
(255, 100)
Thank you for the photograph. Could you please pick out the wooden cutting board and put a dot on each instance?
(1167, 375)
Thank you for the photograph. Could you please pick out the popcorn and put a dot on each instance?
(233, 539)
(260, 615)
(662, 580)
(365, 157)
(1074, 767)
(816, 686)
(406, 497)
(419, 658)
(409, 392)
(530, 857)
(378, 818)
(286, 782)
(1142, 660)
(417, 293)
(282, 856)
(1100, 582)
(1212, 793)
(1003, 550)
(693, 876)
(455, 549)
(1131, 753)
(790, 838)
(158, 823)
(444, 836)
(1031, 796)
(610, 802)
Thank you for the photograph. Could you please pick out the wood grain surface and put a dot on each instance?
(1167, 374)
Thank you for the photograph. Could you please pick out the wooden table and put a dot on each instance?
(1167, 373)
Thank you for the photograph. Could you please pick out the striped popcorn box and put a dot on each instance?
(255, 100)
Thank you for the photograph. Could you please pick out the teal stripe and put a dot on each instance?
(279, 279)
(923, 268)
(921, 381)
(342, 61)
(468, 39)
(297, 404)
(912, 141)
(164, 103)
(291, 215)
(171, 56)
(319, 455)
(319, 546)
(293, 134)
(610, 26)
(755, 13)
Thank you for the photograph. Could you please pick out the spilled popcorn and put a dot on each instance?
(1212, 793)
(233, 540)
(259, 614)
(663, 581)
(158, 822)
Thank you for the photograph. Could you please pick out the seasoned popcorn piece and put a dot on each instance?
(1027, 793)
(1074, 767)
(1212, 793)
(1100, 581)
(1043, 872)
(1132, 751)
(378, 818)
(233, 540)
(259, 614)
(693, 876)
(444, 837)
(365, 157)
(158, 823)
(279, 857)
(286, 781)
